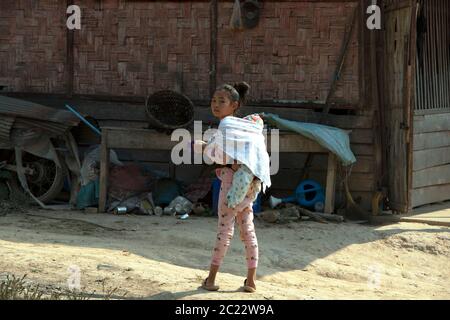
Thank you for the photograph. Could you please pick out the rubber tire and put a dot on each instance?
(54, 190)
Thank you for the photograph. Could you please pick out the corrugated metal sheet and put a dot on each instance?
(433, 56)
(25, 109)
(51, 127)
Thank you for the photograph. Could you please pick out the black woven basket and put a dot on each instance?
(169, 109)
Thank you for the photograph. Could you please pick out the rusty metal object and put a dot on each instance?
(34, 128)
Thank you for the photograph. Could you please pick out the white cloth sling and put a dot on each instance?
(241, 140)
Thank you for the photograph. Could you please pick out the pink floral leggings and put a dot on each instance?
(243, 214)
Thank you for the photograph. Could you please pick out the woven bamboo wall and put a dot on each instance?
(132, 48)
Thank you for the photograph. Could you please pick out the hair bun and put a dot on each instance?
(242, 88)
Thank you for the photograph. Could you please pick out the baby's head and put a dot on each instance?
(227, 99)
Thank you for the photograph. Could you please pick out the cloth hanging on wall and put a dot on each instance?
(236, 17)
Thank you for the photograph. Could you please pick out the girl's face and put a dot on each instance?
(222, 106)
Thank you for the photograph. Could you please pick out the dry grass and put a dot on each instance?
(17, 288)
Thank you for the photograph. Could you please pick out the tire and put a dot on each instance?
(52, 189)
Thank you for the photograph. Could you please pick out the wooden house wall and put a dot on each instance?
(362, 181)
(431, 159)
(130, 49)
(431, 140)
(133, 48)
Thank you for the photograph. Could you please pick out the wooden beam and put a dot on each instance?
(291, 104)
(431, 140)
(423, 159)
(69, 57)
(213, 46)
(330, 189)
(430, 194)
(431, 176)
(432, 123)
(104, 172)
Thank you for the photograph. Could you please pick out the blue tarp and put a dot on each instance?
(334, 139)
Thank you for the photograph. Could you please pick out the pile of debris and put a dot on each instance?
(289, 212)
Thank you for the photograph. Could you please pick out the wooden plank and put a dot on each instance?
(431, 140)
(295, 143)
(361, 57)
(443, 222)
(69, 57)
(430, 158)
(104, 110)
(430, 194)
(123, 123)
(396, 86)
(432, 176)
(362, 182)
(213, 46)
(410, 94)
(127, 138)
(135, 111)
(363, 153)
(364, 164)
(330, 188)
(361, 136)
(295, 114)
(104, 172)
(362, 149)
(432, 123)
(144, 155)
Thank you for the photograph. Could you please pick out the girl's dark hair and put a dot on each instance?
(238, 92)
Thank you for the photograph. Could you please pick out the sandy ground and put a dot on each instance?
(163, 258)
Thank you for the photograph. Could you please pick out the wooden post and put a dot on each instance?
(69, 58)
(331, 183)
(213, 47)
(411, 99)
(104, 170)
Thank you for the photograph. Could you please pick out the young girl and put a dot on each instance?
(248, 167)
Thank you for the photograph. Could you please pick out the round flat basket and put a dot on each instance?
(169, 109)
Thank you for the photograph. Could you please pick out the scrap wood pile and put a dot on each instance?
(289, 212)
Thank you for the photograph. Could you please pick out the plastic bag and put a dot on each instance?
(236, 17)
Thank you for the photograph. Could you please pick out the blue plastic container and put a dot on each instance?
(215, 198)
(308, 194)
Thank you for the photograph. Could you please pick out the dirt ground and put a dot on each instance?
(153, 257)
